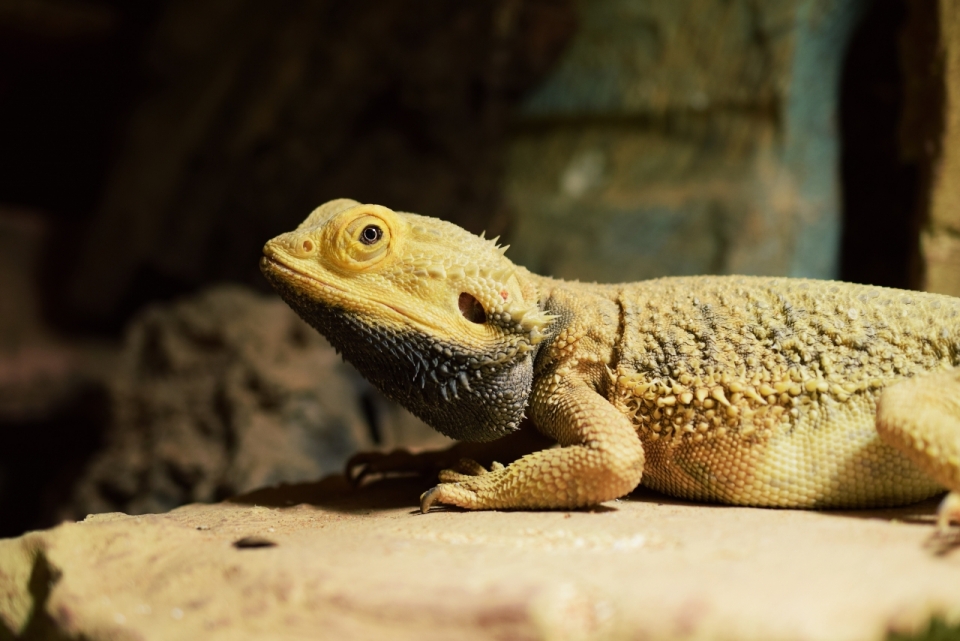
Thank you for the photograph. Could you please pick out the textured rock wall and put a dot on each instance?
(682, 138)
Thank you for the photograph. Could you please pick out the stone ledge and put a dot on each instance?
(322, 561)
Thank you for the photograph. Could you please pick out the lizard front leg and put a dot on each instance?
(600, 459)
(921, 417)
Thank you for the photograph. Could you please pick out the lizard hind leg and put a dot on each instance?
(920, 417)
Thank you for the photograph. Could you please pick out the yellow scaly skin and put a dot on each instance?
(742, 390)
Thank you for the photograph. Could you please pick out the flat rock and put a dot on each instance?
(323, 561)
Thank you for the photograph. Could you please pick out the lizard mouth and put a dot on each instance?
(271, 264)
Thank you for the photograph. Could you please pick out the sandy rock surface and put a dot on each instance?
(321, 561)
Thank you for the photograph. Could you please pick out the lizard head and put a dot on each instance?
(435, 317)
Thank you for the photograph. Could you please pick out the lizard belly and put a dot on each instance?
(830, 458)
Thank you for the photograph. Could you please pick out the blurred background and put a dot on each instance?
(148, 149)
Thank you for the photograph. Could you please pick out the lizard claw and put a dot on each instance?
(459, 494)
(468, 486)
(948, 512)
(355, 466)
(364, 465)
(428, 498)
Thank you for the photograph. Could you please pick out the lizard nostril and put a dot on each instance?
(308, 246)
(471, 309)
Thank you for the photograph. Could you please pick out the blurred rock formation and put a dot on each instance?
(685, 138)
(226, 392)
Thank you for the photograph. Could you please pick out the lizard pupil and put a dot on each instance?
(471, 309)
(370, 234)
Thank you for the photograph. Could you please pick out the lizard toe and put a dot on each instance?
(452, 476)
(469, 492)
(948, 512)
(358, 466)
(428, 498)
(469, 467)
(366, 465)
(450, 494)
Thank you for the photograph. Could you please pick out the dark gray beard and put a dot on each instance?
(440, 382)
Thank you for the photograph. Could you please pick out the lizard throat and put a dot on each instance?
(462, 393)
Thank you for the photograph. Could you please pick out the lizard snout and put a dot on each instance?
(294, 244)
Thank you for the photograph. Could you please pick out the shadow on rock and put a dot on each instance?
(922, 513)
(336, 493)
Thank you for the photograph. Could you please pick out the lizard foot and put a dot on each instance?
(366, 465)
(948, 512)
(463, 485)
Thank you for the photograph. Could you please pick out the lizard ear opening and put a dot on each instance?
(471, 309)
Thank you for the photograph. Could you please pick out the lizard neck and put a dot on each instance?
(585, 337)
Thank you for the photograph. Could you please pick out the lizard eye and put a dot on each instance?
(471, 309)
(363, 240)
(370, 234)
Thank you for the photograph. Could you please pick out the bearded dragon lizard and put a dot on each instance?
(741, 390)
